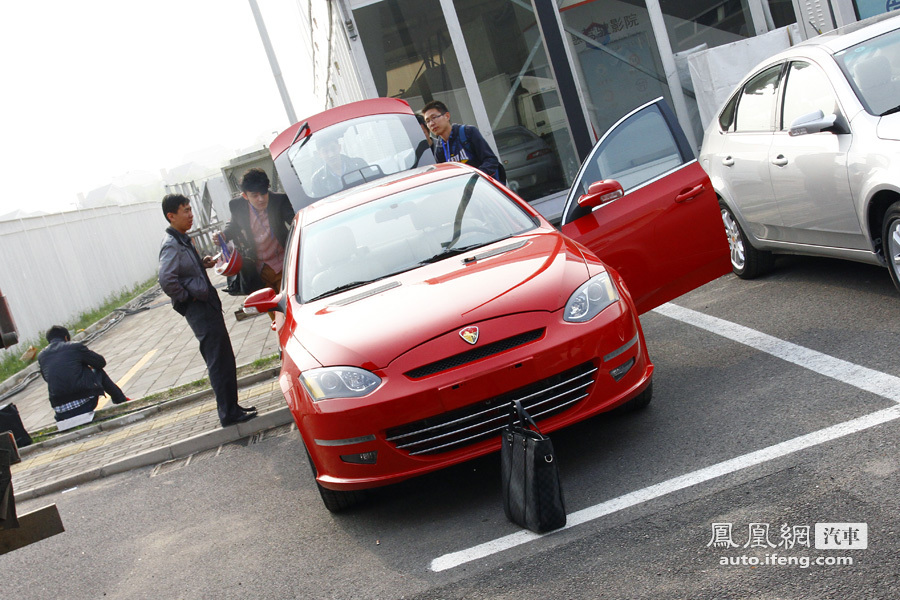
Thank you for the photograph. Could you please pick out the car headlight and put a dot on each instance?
(338, 382)
(587, 301)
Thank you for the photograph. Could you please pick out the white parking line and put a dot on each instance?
(454, 559)
(864, 378)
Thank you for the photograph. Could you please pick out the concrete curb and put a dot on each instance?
(181, 449)
(129, 418)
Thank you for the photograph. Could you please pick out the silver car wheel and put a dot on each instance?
(894, 247)
(735, 241)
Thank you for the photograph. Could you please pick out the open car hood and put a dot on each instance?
(366, 329)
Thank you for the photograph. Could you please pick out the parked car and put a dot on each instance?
(528, 159)
(416, 307)
(805, 155)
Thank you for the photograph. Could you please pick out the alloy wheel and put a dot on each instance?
(735, 241)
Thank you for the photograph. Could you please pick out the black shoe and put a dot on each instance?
(247, 409)
(241, 418)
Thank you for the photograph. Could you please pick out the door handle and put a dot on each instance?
(780, 161)
(728, 161)
(690, 194)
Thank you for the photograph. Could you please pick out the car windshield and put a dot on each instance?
(356, 151)
(404, 231)
(873, 68)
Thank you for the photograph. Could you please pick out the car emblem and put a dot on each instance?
(470, 334)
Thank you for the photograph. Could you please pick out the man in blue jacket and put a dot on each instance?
(460, 143)
(182, 276)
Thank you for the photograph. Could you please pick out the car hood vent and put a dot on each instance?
(464, 358)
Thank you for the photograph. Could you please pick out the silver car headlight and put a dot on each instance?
(587, 301)
(338, 382)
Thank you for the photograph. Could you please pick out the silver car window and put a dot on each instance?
(756, 107)
(806, 90)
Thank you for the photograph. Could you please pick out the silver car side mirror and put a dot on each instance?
(813, 122)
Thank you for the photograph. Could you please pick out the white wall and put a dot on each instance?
(55, 267)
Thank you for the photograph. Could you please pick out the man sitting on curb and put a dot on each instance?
(74, 375)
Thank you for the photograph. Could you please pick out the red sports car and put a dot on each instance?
(417, 306)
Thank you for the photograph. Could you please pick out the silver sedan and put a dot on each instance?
(805, 154)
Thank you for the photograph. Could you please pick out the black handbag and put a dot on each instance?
(532, 492)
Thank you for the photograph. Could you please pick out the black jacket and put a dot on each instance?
(281, 215)
(66, 366)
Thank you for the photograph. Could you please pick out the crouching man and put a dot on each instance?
(74, 375)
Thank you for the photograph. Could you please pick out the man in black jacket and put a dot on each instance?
(182, 276)
(260, 220)
(74, 375)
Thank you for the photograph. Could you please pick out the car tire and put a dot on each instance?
(333, 500)
(746, 261)
(339, 501)
(637, 403)
(890, 241)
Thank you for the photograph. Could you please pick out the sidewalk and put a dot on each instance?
(175, 429)
(148, 352)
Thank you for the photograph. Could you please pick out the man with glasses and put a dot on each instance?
(460, 143)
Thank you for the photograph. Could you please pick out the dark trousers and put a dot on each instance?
(208, 325)
(114, 392)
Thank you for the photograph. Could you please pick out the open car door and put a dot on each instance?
(661, 229)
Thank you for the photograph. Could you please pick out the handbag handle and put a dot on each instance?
(523, 416)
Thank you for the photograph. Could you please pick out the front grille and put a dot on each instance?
(483, 420)
(457, 360)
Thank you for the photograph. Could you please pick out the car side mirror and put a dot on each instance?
(816, 122)
(263, 301)
(601, 192)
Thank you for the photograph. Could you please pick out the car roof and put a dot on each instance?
(385, 186)
(854, 33)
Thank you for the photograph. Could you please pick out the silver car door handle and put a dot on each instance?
(728, 161)
(780, 161)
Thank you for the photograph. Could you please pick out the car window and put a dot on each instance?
(639, 149)
(756, 105)
(509, 140)
(354, 152)
(873, 69)
(726, 117)
(403, 231)
(806, 90)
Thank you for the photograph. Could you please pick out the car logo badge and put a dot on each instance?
(469, 334)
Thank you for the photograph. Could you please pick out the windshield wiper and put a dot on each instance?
(890, 111)
(448, 252)
(341, 288)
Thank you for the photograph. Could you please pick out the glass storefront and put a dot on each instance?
(519, 95)
(408, 48)
(616, 54)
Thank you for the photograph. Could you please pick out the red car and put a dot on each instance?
(417, 306)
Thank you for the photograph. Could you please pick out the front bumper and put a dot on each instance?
(430, 407)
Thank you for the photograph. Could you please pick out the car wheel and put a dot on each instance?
(746, 261)
(890, 240)
(333, 500)
(637, 403)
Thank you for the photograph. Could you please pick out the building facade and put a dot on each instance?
(554, 74)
